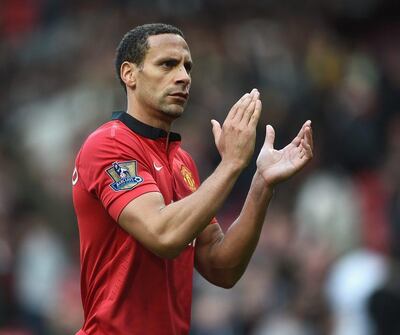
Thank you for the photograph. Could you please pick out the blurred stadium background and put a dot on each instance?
(327, 261)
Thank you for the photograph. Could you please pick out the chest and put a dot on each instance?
(173, 175)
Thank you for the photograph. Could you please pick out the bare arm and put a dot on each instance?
(167, 230)
(221, 259)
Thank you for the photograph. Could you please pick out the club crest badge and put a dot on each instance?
(124, 175)
(188, 178)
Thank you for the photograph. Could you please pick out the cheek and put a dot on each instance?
(148, 89)
(153, 95)
(154, 86)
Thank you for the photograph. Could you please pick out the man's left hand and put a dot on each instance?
(278, 165)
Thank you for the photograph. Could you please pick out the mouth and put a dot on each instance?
(180, 95)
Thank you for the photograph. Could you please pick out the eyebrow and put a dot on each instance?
(174, 58)
(164, 58)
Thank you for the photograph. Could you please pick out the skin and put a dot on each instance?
(166, 229)
(151, 85)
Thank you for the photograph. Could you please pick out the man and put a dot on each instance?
(144, 219)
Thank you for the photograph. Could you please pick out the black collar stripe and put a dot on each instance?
(144, 129)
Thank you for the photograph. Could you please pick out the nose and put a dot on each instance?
(183, 76)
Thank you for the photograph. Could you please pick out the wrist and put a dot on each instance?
(231, 167)
(259, 180)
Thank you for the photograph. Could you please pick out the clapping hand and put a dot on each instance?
(235, 139)
(278, 165)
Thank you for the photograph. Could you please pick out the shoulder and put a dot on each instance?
(111, 142)
(111, 137)
(110, 132)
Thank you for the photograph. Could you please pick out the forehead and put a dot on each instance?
(165, 45)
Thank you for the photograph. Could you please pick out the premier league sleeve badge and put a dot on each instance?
(124, 175)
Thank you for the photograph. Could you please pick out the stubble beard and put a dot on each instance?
(172, 111)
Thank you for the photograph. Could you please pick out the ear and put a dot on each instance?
(128, 73)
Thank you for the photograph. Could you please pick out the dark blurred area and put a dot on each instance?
(328, 258)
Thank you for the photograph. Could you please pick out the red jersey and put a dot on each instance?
(126, 289)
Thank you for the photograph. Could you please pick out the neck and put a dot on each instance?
(148, 116)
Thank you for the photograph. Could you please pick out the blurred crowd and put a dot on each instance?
(328, 259)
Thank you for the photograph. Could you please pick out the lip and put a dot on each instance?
(180, 95)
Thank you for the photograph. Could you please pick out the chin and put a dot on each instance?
(174, 111)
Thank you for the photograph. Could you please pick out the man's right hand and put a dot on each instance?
(235, 140)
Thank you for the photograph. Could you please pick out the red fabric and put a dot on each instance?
(125, 288)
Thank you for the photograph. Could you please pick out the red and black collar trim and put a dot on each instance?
(144, 129)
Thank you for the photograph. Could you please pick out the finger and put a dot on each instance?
(242, 107)
(216, 129)
(306, 149)
(308, 137)
(256, 115)
(269, 137)
(297, 139)
(235, 107)
(250, 108)
(247, 113)
(302, 150)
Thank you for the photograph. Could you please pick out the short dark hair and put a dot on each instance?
(134, 45)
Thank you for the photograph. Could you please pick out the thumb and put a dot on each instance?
(269, 137)
(216, 129)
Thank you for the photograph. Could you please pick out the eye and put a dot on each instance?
(188, 67)
(169, 63)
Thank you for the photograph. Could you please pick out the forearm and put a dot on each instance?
(233, 252)
(223, 259)
(180, 222)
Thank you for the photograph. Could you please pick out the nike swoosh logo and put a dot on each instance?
(158, 168)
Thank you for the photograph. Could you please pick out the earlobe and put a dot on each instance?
(128, 74)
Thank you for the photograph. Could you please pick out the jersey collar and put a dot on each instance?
(144, 129)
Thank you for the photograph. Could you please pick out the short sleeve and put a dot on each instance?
(114, 168)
